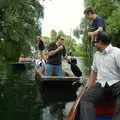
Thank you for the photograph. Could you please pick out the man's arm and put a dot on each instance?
(92, 79)
(53, 52)
(41, 71)
(117, 60)
(93, 73)
(100, 29)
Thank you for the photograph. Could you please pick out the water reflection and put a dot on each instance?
(21, 97)
(53, 112)
(17, 95)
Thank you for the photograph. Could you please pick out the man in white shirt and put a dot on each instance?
(104, 79)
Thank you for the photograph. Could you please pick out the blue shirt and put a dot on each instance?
(98, 22)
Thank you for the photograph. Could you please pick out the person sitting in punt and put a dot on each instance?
(105, 71)
(40, 66)
(22, 58)
(39, 61)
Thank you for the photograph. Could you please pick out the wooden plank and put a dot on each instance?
(57, 78)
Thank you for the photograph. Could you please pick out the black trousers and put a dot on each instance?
(99, 94)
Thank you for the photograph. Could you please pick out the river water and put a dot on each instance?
(21, 98)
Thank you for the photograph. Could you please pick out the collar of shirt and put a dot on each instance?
(107, 49)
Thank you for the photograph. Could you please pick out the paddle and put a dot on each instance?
(75, 69)
(73, 112)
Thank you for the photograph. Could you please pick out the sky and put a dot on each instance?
(62, 15)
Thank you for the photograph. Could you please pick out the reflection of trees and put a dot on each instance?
(56, 111)
(37, 113)
(17, 97)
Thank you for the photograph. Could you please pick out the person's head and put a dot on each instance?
(38, 38)
(101, 41)
(60, 40)
(90, 13)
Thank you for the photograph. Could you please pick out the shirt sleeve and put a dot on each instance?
(118, 61)
(94, 67)
(51, 47)
(100, 22)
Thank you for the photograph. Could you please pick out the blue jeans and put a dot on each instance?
(50, 69)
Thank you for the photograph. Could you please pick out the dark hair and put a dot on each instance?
(58, 37)
(103, 37)
(89, 10)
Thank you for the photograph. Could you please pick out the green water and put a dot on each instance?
(21, 98)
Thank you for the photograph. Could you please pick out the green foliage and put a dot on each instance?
(20, 26)
(69, 44)
(46, 40)
(114, 27)
(103, 7)
(53, 35)
(79, 50)
(114, 22)
(76, 32)
(60, 33)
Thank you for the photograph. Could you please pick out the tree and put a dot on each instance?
(21, 25)
(53, 35)
(114, 26)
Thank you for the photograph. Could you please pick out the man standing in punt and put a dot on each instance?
(54, 62)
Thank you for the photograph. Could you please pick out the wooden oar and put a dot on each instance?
(73, 112)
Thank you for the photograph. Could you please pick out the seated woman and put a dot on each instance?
(40, 66)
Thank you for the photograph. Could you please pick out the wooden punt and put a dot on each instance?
(57, 81)
(23, 65)
(104, 111)
(54, 88)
